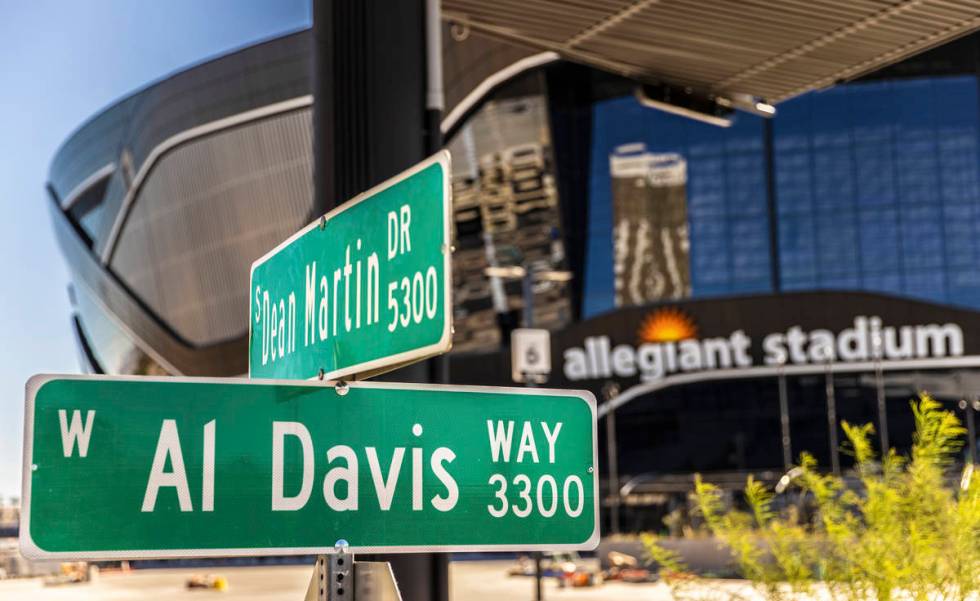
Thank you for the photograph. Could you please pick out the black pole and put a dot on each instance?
(538, 587)
(969, 408)
(832, 421)
(322, 76)
(972, 431)
(775, 275)
(784, 421)
(880, 396)
(438, 368)
(613, 477)
(371, 122)
(610, 390)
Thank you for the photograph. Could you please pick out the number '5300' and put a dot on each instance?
(418, 298)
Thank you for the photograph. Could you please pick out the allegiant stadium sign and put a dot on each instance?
(646, 344)
(869, 339)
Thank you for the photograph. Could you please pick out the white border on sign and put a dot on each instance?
(445, 341)
(31, 551)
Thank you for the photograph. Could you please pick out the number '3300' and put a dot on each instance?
(545, 498)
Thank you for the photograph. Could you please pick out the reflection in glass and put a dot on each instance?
(651, 252)
(112, 349)
(88, 208)
(505, 213)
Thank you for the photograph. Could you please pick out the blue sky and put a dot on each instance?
(60, 63)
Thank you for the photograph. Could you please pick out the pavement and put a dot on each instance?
(488, 580)
(265, 583)
(469, 581)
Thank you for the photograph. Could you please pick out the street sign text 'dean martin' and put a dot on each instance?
(364, 289)
(136, 467)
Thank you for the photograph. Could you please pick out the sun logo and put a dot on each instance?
(667, 325)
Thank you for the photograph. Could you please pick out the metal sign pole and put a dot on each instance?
(339, 584)
(972, 430)
(527, 291)
(969, 408)
(832, 420)
(880, 394)
(376, 102)
(332, 578)
(609, 392)
(339, 577)
(784, 420)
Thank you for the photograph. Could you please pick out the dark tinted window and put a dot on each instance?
(87, 210)
(735, 425)
(106, 344)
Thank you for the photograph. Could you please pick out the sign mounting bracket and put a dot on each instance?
(338, 577)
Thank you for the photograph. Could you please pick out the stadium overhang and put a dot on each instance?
(738, 52)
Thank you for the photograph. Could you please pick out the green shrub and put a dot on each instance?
(901, 532)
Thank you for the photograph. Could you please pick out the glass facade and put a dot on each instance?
(875, 188)
(105, 346)
(672, 231)
(209, 203)
(204, 171)
(735, 425)
(88, 209)
(505, 208)
(726, 199)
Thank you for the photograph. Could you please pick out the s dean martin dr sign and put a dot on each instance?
(364, 289)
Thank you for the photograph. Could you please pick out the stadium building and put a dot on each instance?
(741, 281)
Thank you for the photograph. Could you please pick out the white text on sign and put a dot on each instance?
(347, 297)
(508, 442)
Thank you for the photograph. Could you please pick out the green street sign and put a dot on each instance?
(131, 467)
(363, 290)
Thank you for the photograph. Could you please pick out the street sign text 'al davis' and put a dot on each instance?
(127, 467)
(363, 290)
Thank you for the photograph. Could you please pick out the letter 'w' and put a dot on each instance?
(75, 432)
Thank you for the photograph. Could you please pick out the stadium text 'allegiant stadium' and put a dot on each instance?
(869, 339)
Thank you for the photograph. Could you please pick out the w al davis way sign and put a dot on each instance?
(363, 290)
(128, 467)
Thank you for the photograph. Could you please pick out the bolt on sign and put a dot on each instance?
(136, 467)
(363, 290)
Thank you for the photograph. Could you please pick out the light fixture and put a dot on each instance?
(516, 272)
(512, 272)
(752, 104)
(684, 102)
(554, 276)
